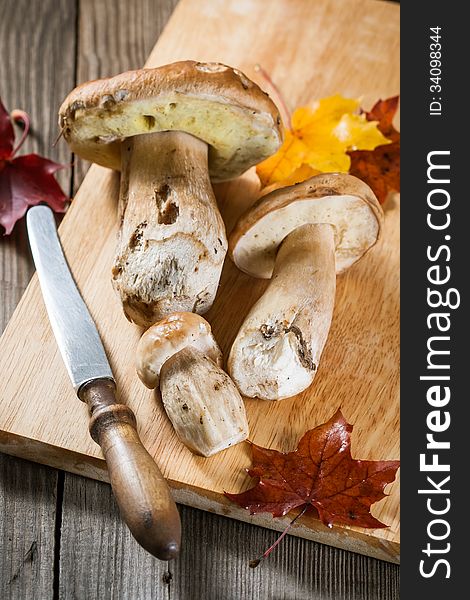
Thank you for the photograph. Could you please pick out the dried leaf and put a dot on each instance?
(26, 180)
(320, 474)
(380, 168)
(384, 112)
(7, 135)
(320, 137)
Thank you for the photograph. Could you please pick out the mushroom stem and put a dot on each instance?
(172, 242)
(202, 402)
(277, 350)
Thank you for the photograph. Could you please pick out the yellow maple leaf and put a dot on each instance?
(300, 174)
(318, 141)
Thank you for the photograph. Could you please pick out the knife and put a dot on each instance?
(140, 489)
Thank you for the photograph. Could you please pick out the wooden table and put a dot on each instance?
(61, 535)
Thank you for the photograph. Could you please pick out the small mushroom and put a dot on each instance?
(300, 236)
(170, 131)
(181, 357)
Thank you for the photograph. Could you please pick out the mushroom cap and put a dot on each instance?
(167, 337)
(338, 199)
(211, 101)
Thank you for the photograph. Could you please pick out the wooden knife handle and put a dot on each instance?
(140, 489)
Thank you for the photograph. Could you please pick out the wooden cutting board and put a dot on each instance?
(311, 49)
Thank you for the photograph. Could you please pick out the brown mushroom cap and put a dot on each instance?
(210, 101)
(338, 199)
(167, 337)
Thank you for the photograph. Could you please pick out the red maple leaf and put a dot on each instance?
(26, 180)
(320, 474)
(380, 168)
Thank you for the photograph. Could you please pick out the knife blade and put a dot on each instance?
(140, 489)
(76, 334)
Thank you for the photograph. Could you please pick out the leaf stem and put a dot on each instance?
(283, 108)
(20, 117)
(58, 138)
(254, 563)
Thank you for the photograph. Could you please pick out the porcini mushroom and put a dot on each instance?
(181, 357)
(170, 131)
(300, 236)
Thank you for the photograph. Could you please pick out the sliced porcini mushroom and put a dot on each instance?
(181, 357)
(170, 131)
(300, 236)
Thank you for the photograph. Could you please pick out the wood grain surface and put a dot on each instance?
(91, 547)
(37, 46)
(213, 564)
(359, 369)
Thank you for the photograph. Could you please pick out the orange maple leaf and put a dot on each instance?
(380, 168)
